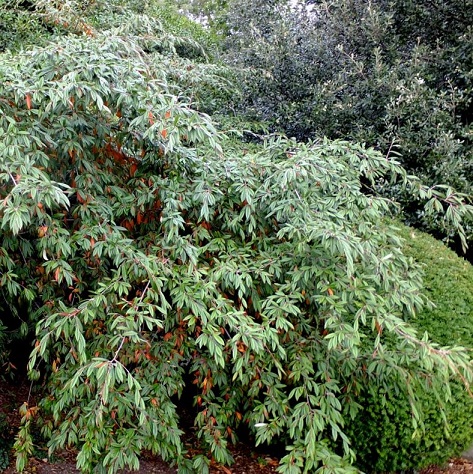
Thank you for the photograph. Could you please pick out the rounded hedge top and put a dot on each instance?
(448, 281)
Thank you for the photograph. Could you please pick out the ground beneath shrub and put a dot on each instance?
(247, 461)
(244, 465)
(455, 466)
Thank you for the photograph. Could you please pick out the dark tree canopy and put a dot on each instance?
(395, 75)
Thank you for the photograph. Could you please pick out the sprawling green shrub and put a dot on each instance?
(151, 252)
(206, 12)
(383, 434)
(180, 25)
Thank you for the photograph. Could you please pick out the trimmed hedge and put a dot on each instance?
(382, 432)
(448, 282)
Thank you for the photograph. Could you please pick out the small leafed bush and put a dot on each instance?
(383, 434)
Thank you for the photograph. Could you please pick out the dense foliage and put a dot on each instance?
(382, 432)
(448, 282)
(19, 27)
(5, 444)
(396, 75)
(154, 256)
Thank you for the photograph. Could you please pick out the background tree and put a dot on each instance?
(396, 75)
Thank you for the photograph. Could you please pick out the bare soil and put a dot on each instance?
(246, 460)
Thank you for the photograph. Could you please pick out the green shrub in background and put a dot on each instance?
(21, 26)
(382, 432)
(448, 281)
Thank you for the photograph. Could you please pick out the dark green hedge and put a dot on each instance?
(382, 432)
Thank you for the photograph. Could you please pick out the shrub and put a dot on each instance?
(448, 281)
(149, 250)
(383, 433)
(22, 26)
(181, 26)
